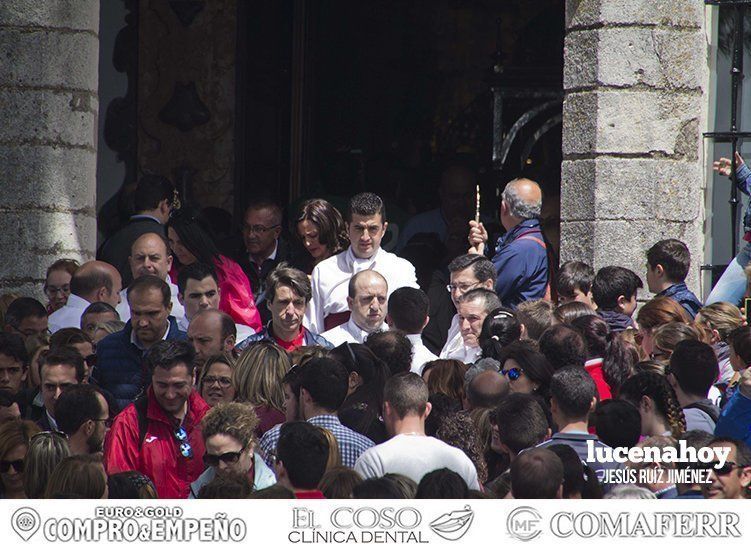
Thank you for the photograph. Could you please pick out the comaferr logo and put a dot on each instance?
(524, 523)
(454, 525)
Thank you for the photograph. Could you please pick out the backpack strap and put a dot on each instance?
(704, 408)
(141, 404)
(528, 236)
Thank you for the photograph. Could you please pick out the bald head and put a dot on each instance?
(364, 279)
(368, 292)
(486, 389)
(97, 281)
(522, 199)
(212, 333)
(149, 256)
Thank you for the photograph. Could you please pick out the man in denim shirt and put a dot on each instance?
(668, 262)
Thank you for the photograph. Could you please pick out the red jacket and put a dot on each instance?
(594, 368)
(159, 456)
(236, 298)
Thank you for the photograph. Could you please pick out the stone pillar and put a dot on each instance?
(48, 126)
(635, 79)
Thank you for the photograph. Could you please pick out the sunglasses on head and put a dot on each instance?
(724, 470)
(228, 458)
(186, 450)
(513, 374)
(17, 466)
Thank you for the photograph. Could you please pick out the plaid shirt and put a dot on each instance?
(351, 443)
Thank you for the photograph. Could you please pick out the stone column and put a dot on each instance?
(49, 53)
(635, 78)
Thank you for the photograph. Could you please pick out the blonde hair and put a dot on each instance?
(335, 459)
(259, 373)
(233, 419)
(109, 327)
(222, 358)
(46, 450)
(666, 337)
(720, 316)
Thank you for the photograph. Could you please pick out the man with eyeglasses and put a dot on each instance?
(159, 434)
(733, 479)
(366, 227)
(83, 415)
(467, 272)
(94, 281)
(59, 369)
(26, 316)
(154, 199)
(229, 435)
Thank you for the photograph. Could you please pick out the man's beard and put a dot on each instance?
(95, 443)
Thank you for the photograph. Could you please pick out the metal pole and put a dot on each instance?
(736, 74)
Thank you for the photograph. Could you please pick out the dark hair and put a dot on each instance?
(566, 313)
(536, 316)
(227, 486)
(66, 265)
(275, 491)
(148, 282)
(521, 422)
(578, 477)
(130, 485)
(167, 354)
(442, 406)
(264, 203)
(534, 364)
(573, 390)
(442, 484)
(75, 406)
(694, 366)
(563, 345)
(150, 191)
(406, 393)
(489, 298)
(338, 483)
(536, 474)
(656, 387)
(742, 450)
(458, 430)
(618, 423)
(573, 275)
(328, 220)
(197, 271)
(408, 308)
(67, 337)
(392, 347)
(610, 283)
(447, 377)
(482, 267)
(11, 345)
(694, 439)
(88, 279)
(65, 356)
(674, 257)
(499, 328)
(740, 340)
(378, 488)
(366, 204)
(619, 361)
(293, 278)
(99, 308)
(21, 308)
(304, 451)
(327, 381)
(193, 236)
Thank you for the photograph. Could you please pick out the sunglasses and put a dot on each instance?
(186, 450)
(724, 470)
(17, 466)
(513, 374)
(229, 458)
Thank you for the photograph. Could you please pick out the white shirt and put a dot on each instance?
(415, 456)
(349, 332)
(243, 331)
(177, 309)
(69, 315)
(455, 348)
(420, 354)
(134, 339)
(330, 282)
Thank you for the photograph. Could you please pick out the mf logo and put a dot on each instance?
(523, 523)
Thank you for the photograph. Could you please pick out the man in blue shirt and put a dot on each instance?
(668, 262)
(521, 257)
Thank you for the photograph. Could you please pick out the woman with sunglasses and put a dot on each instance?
(190, 243)
(229, 432)
(526, 369)
(14, 444)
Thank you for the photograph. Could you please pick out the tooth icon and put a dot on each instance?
(454, 525)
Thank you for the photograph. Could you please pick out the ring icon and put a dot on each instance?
(25, 522)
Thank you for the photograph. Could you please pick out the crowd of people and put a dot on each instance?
(173, 367)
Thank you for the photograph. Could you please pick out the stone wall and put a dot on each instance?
(48, 135)
(635, 78)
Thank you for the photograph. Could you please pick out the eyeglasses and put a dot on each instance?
(223, 381)
(90, 360)
(259, 229)
(228, 458)
(107, 421)
(513, 374)
(460, 287)
(51, 290)
(17, 466)
(724, 470)
(186, 450)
